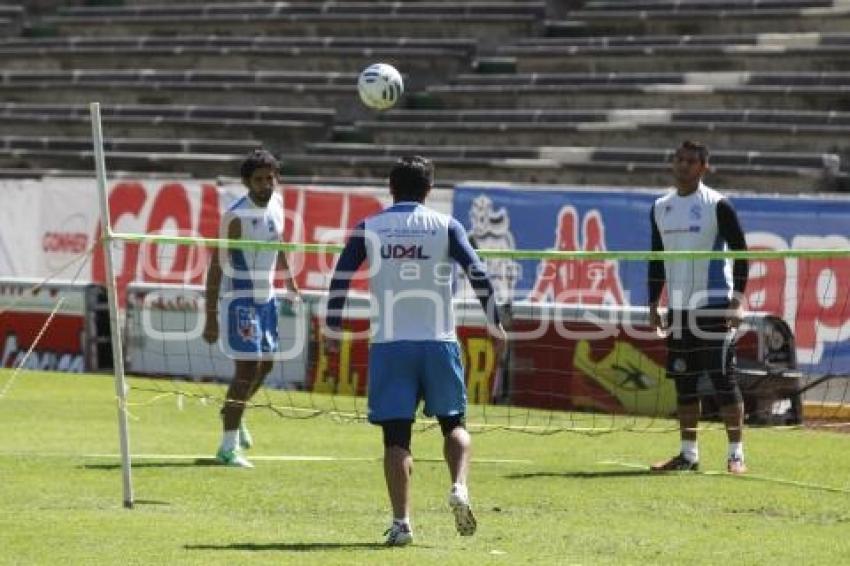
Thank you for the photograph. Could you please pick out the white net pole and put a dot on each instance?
(112, 294)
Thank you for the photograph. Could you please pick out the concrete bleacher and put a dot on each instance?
(584, 164)
(778, 52)
(496, 90)
(738, 90)
(767, 130)
(281, 129)
(217, 53)
(488, 21)
(740, 18)
(163, 87)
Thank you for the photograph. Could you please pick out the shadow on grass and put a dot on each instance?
(289, 547)
(584, 475)
(169, 464)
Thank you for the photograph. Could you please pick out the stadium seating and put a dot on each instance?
(553, 92)
(772, 130)
(224, 54)
(487, 21)
(288, 127)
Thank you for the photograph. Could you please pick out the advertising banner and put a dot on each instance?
(810, 295)
(23, 315)
(46, 224)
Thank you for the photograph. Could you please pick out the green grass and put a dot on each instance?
(557, 504)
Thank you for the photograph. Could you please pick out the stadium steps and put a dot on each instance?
(826, 132)
(210, 88)
(756, 170)
(561, 165)
(702, 90)
(835, 17)
(415, 56)
(281, 128)
(610, 173)
(778, 52)
(491, 22)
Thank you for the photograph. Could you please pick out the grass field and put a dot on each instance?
(559, 499)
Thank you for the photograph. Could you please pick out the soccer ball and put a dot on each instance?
(380, 86)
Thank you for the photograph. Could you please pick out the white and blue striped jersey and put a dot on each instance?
(701, 221)
(410, 250)
(253, 271)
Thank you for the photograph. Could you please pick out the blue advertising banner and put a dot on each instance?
(811, 295)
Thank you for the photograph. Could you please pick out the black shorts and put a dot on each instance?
(700, 342)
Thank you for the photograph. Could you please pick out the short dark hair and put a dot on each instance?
(257, 159)
(411, 178)
(696, 147)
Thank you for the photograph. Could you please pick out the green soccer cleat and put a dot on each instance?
(246, 441)
(232, 458)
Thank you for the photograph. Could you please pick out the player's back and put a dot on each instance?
(407, 247)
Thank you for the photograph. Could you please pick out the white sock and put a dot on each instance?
(736, 451)
(402, 521)
(230, 440)
(461, 491)
(690, 450)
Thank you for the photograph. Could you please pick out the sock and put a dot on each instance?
(230, 440)
(690, 450)
(736, 451)
(461, 491)
(402, 521)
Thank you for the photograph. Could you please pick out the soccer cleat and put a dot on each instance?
(464, 519)
(246, 441)
(677, 463)
(399, 534)
(736, 466)
(232, 458)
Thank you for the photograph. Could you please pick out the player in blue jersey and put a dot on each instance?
(704, 300)
(414, 355)
(240, 296)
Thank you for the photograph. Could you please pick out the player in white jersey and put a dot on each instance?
(414, 355)
(704, 302)
(243, 280)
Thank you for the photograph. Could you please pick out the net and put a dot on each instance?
(580, 358)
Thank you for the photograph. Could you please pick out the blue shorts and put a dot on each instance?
(401, 373)
(251, 328)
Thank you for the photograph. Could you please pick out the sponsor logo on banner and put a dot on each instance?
(490, 230)
(592, 282)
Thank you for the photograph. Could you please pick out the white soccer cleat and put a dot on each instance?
(464, 519)
(232, 458)
(399, 534)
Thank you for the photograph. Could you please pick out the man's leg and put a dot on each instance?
(683, 368)
(720, 364)
(457, 450)
(263, 369)
(732, 410)
(231, 412)
(398, 467)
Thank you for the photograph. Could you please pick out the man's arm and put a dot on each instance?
(288, 278)
(730, 230)
(213, 283)
(656, 274)
(353, 255)
(461, 251)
